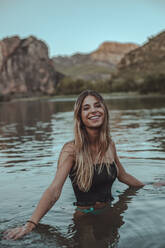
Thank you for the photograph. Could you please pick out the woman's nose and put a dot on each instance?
(93, 109)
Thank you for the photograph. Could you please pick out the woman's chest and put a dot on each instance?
(105, 175)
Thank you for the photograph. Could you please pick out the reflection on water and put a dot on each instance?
(94, 231)
(31, 126)
(31, 136)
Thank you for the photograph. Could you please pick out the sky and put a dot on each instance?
(71, 26)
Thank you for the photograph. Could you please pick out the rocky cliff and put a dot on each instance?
(112, 52)
(143, 68)
(97, 65)
(25, 68)
(151, 54)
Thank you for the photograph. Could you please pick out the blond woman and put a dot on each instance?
(90, 160)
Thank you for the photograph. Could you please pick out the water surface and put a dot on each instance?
(32, 134)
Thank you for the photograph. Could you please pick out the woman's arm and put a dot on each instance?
(50, 196)
(123, 176)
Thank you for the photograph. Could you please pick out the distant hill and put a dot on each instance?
(143, 69)
(97, 65)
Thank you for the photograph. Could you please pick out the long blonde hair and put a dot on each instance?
(83, 162)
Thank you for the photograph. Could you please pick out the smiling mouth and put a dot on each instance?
(94, 117)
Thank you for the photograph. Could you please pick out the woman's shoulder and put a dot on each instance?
(112, 143)
(112, 146)
(110, 154)
(67, 154)
(69, 147)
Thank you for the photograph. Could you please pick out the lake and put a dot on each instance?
(32, 133)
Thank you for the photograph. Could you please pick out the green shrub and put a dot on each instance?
(123, 85)
(69, 86)
(153, 83)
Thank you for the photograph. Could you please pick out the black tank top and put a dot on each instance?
(100, 190)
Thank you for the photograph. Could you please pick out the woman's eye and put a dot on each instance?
(85, 108)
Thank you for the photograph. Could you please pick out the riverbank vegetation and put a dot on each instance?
(151, 83)
(68, 86)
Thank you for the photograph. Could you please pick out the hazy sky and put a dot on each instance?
(70, 26)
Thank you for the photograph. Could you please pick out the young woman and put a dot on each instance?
(90, 160)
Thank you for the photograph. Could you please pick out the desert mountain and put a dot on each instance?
(144, 67)
(97, 65)
(112, 52)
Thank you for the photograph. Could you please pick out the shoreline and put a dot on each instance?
(73, 96)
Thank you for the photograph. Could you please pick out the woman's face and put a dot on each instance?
(92, 112)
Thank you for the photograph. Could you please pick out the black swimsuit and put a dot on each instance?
(100, 190)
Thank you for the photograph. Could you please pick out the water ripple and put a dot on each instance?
(31, 137)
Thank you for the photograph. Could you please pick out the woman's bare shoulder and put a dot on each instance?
(112, 148)
(112, 144)
(67, 154)
(69, 147)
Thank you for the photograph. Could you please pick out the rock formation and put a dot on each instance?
(112, 52)
(151, 54)
(97, 65)
(143, 68)
(25, 68)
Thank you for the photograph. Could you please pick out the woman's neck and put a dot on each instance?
(93, 135)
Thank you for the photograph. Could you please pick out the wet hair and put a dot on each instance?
(84, 164)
